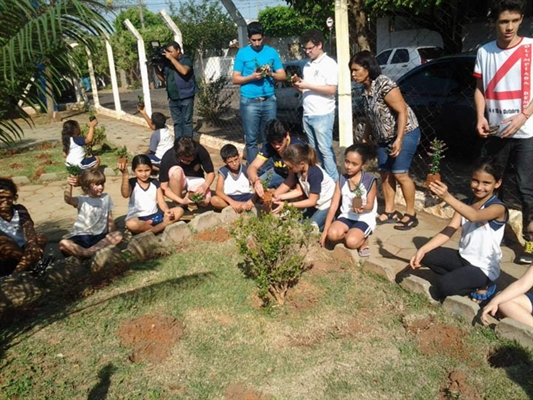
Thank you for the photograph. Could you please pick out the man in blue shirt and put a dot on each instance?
(256, 69)
(178, 74)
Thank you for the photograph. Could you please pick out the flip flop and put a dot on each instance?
(364, 251)
(480, 295)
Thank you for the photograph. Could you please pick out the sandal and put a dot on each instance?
(480, 295)
(364, 251)
(412, 222)
(392, 218)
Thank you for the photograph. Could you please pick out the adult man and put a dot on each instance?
(278, 139)
(178, 73)
(504, 93)
(256, 68)
(318, 87)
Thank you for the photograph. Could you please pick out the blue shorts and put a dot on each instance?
(156, 161)
(88, 163)
(241, 197)
(530, 297)
(351, 224)
(156, 218)
(87, 241)
(402, 163)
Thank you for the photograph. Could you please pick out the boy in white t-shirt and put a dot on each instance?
(161, 140)
(504, 95)
(233, 186)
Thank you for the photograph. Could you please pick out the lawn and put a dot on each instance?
(189, 327)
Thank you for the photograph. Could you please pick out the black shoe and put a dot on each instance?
(527, 256)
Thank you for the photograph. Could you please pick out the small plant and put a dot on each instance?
(437, 147)
(358, 196)
(92, 116)
(99, 137)
(266, 181)
(122, 154)
(265, 70)
(73, 169)
(213, 101)
(197, 197)
(274, 250)
(140, 101)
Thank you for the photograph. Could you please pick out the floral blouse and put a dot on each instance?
(381, 117)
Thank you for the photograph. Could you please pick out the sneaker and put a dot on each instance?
(527, 256)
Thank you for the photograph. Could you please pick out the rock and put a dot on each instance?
(228, 215)
(107, 258)
(48, 177)
(109, 171)
(341, 253)
(66, 271)
(461, 306)
(418, 285)
(206, 220)
(513, 330)
(21, 289)
(175, 234)
(21, 180)
(144, 246)
(381, 269)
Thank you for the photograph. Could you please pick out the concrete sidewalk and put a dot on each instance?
(55, 218)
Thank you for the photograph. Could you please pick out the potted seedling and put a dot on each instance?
(122, 153)
(196, 198)
(436, 153)
(92, 116)
(140, 101)
(358, 201)
(74, 171)
(265, 70)
(267, 193)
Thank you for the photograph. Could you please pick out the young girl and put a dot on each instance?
(355, 223)
(74, 145)
(20, 246)
(147, 210)
(94, 228)
(515, 301)
(308, 180)
(476, 265)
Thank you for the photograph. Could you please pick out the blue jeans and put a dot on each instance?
(319, 131)
(255, 114)
(181, 112)
(317, 216)
(275, 180)
(401, 163)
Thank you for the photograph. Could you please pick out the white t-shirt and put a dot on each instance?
(93, 213)
(322, 71)
(143, 202)
(13, 229)
(161, 141)
(235, 186)
(318, 182)
(76, 152)
(506, 76)
(347, 196)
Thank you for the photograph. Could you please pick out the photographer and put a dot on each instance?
(178, 73)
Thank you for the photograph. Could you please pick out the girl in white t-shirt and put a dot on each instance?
(476, 265)
(147, 209)
(356, 221)
(308, 180)
(74, 145)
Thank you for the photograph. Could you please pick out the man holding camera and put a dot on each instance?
(178, 73)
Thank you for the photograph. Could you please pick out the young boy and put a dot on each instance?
(187, 166)
(161, 140)
(94, 228)
(233, 186)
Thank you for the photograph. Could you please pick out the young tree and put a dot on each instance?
(35, 41)
(283, 21)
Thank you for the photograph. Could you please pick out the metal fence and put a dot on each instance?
(441, 92)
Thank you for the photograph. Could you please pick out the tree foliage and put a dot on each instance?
(283, 21)
(35, 41)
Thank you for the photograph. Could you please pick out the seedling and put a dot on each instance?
(122, 152)
(266, 181)
(73, 169)
(140, 101)
(197, 197)
(358, 196)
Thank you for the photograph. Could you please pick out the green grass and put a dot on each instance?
(44, 158)
(340, 336)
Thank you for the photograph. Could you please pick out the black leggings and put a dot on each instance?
(458, 276)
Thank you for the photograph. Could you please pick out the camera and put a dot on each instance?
(157, 58)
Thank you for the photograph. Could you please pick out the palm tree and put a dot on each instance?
(35, 42)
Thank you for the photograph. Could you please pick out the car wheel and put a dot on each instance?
(359, 124)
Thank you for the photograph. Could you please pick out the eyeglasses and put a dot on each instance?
(309, 48)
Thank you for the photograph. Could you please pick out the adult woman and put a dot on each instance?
(394, 127)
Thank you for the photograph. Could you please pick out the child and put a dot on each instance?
(161, 140)
(233, 187)
(74, 145)
(94, 228)
(355, 224)
(187, 166)
(315, 185)
(476, 265)
(147, 209)
(514, 302)
(20, 246)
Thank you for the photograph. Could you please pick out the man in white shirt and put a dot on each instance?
(503, 103)
(318, 87)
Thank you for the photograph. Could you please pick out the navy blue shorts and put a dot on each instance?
(88, 162)
(156, 161)
(351, 224)
(87, 241)
(241, 197)
(156, 218)
(402, 163)
(530, 297)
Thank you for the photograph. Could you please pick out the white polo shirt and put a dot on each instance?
(322, 71)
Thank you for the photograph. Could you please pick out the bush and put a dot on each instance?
(274, 249)
(212, 102)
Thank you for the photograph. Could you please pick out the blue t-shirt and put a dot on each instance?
(247, 61)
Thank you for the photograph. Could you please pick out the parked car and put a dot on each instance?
(397, 61)
(441, 93)
(290, 108)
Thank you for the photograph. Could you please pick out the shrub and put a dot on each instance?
(99, 137)
(274, 249)
(212, 102)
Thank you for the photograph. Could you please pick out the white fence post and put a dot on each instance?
(239, 20)
(94, 87)
(174, 28)
(113, 74)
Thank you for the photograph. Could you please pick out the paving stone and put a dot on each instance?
(391, 264)
(228, 215)
(106, 259)
(513, 330)
(144, 246)
(49, 190)
(50, 176)
(461, 306)
(418, 285)
(109, 171)
(381, 269)
(21, 180)
(206, 220)
(344, 255)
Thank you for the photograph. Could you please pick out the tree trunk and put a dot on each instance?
(359, 24)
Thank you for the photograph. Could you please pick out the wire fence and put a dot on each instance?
(440, 92)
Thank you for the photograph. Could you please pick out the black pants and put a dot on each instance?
(458, 276)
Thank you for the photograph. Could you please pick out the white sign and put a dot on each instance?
(329, 22)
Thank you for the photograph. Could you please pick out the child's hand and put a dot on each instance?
(93, 123)
(139, 108)
(169, 215)
(491, 309)
(416, 259)
(358, 210)
(279, 208)
(123, 167)
(237, 206)
(72, 180)
(248, 205)
(323, 239)
(201, 189)
(439, 189)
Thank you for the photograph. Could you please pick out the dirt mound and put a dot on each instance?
(151, 337)
(238, 392)
(303, 296)
(457, 388)
(16, 166)
(43, 156)
(217, 235)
